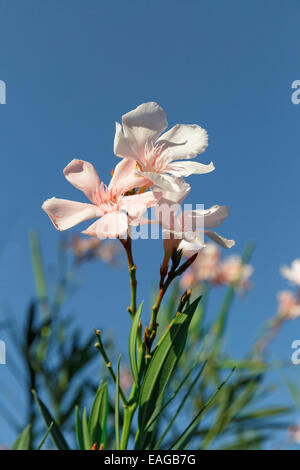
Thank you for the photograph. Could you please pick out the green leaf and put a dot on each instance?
(160, 369)
(55, 433)
(24, 439)
(98, 416)
(188, 433)
(45, 437)
(187, 394)
(117, 410)
(85, 432)
(230, 294)
(78, 429)
(37, 264)
(132, 343)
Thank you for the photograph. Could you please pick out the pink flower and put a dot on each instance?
(154, 157)
(186, 230)
(204, 267)
(233, 271)
(114, 211)
(289, 305)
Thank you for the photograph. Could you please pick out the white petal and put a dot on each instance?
(143, 125)
(65, 214)
(173, 189)
(209, 218)
(187, 168)
(183, 141)
(220, 240)
(122, 147)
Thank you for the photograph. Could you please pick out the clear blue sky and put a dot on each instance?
(73, 67)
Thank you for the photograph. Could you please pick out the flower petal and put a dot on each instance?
(112, 225)
(122, 146)
(209, 218)
(173, 189)
(220, 240)
(125, 178)
(65, 214)
(189, 168)
(183, 141)
(83, 176)
(140, 127)
(137, 205)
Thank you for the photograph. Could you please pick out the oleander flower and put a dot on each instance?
(204, 267)
(288, 305)
(233, 271)
(292, 273)
(186, 230)
(114, 211)
(160, 160)
(294, 433)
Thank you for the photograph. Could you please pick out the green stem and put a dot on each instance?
(127, 244)
(100, 347)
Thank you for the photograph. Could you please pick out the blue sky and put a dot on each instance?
(72, 68)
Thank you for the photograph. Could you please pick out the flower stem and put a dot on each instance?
(127, 244)
(100, 347)
(175, 271)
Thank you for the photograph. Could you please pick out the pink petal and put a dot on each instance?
(125, 178)
(136, 205)
(83, 176)
(112, 225)
(65, 214)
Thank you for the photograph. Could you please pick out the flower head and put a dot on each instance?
(160, 160)
(114, 211)
(233, 271)
(292, 273)
(288, 305)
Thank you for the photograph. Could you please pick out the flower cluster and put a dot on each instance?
(288, 301)
(85, 249)
(150, 174)
(209, 267)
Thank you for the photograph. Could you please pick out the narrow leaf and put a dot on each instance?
(160, 369)
(56, 435)
(132, 343)
(45, 437)
(117, 410)
(98, 416)
(78, 429)
(188, 433)
(87, 443)
(23, 441)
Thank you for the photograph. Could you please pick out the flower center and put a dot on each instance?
(107, 198)
(153, 158)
